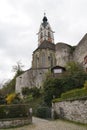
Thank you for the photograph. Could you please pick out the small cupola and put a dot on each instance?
(44, 21)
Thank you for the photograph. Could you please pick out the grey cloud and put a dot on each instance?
(19, 26)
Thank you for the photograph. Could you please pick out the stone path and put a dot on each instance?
(40, 124)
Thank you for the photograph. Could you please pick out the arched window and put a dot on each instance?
(48, 28)
(43, 59)
(49, 35)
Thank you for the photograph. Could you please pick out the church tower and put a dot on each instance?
(45, 32)
(44, 55)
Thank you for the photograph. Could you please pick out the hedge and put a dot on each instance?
(73, 95)
(14, 111)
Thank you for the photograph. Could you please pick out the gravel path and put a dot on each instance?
(40, 124)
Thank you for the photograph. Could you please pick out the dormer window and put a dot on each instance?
(43, 59)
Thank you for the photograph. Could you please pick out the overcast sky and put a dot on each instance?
(20, 21)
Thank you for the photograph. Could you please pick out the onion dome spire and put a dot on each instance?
(45, 18)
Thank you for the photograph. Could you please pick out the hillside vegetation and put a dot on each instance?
(53, 87)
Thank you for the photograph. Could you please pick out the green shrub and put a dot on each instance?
(74, 94)
(52, 88)
(43, 112)
(57, 100)
(35, 92)
(28, 99)
(55, 86)
(2, 100)
(14, 111)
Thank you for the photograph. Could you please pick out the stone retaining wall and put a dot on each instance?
(72, 110)
(8, 123)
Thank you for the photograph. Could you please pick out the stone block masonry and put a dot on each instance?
(31, 78)
(8, 123)
(72, 110)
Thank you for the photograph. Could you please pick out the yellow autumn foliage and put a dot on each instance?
(10, 98)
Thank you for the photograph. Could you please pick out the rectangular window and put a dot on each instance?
(57, 71)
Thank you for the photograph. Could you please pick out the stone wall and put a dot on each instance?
(15, 122)
(81, 50)
(72, 110)
(63, 54)
(30, 78)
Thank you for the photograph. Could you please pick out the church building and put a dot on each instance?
(44, 55)
(48, 55)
